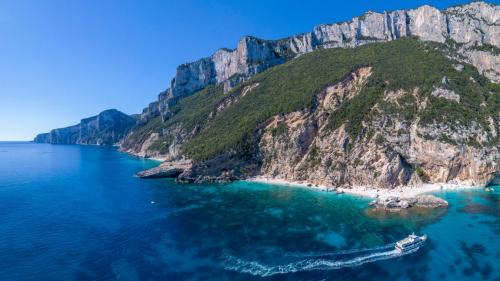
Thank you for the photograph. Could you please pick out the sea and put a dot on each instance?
(70, 212)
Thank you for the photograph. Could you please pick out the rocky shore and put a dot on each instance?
(166, 170)
(389, 199)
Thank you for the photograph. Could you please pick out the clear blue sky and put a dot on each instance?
(63, 60)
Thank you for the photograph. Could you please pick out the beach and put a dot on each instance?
(371, 192)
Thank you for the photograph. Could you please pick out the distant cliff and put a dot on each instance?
(106, 128)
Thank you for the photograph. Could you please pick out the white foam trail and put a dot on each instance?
(342, 252)
(255, 268)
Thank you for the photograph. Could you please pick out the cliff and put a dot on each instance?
(67, 135)
(106, 128)
(385, 100)
(474, 28)
(387, 114)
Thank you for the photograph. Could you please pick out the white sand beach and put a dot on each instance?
(158, 159)
(364, 191)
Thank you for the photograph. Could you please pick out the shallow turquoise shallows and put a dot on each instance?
(78, 213)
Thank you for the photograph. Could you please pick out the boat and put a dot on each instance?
(410, 243)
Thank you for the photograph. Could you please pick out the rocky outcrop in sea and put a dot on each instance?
(166, 170)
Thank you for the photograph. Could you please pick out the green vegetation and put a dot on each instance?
(410, 64)
(379, 140)
(406, 107)
(280, 129)
(402, 64)
(473, 88)
(355, 110)
(314, 156)
(488, 48)
(142, 132)
(282, 89)
(422, 174)
(161, 145)
(193, 111)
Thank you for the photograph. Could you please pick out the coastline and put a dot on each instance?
(364, 191)
(157, 159)
(141, 155)
(402, 192)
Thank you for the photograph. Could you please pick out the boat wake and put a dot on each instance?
(342, 252)
(263, 270)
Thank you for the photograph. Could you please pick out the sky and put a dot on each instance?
(64, 60)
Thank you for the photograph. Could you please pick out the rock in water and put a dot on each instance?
(160, 172)
(166, 170)
(397, 203)
(430, 201)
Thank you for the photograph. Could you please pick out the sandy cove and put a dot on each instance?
(157, 159)
(400, 192)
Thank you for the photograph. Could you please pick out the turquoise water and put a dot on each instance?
(77, 213)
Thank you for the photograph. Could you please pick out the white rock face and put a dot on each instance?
(428, 23)
(487, 63)
(251, 56)
(446, 94)
(474, 24)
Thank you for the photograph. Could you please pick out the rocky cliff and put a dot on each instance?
(392, 151)
(387, 99)
(474, 28)
(67, 135)
(387, 114)
(106, 128)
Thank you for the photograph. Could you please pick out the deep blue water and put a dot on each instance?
(77, 213)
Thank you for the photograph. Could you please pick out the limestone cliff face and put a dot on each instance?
(384, 148)
(177, 136)
(107, 128)
(67, 135)
(389, 152)
(471, 26)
